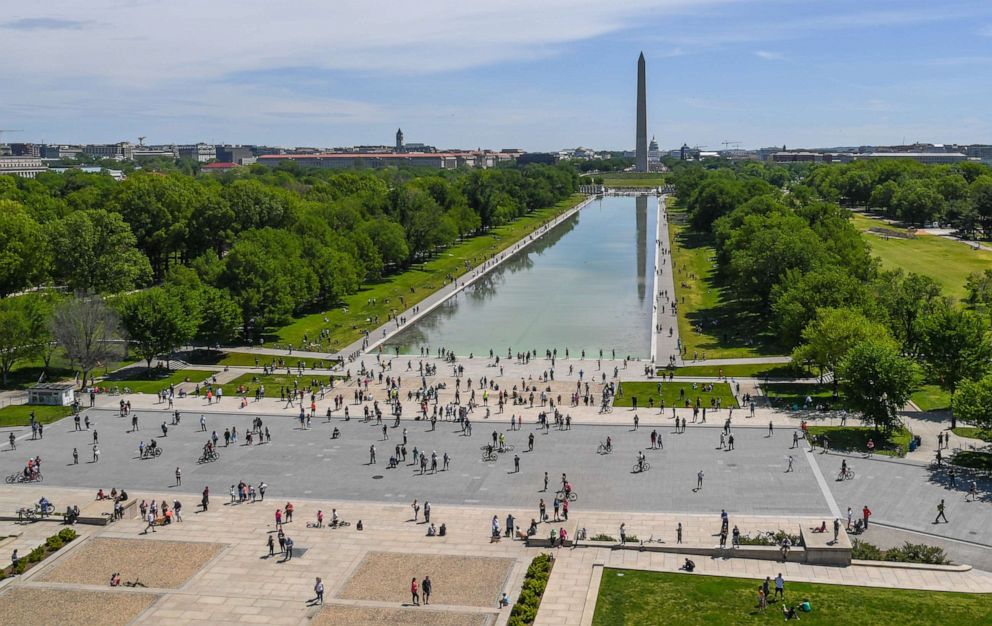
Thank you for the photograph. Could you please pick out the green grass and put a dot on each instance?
(249, 359)
(19, 414)
(753, 370)
(647, 391)
(273, 382)
(26, 373)
(948, 262)
(725, 331)
(975, 460)
(794, 394)
(931, 398)
(346, 322)
(973, 433)
(855, 439)
(156, 380)
(639, 597)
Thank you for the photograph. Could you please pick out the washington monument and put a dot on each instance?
(641, 154)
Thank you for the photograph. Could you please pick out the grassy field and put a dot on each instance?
(948, 262)
(973, 433)
(19, 414)
(143, 381)
(855, 439)
(710, 323)
(273, 382)
(631, 179)
(347, 322)
(26, 373)
(250, 359)
(932, 398)
(629, 597)
(670, 394)
(753, 370)
(794, 395)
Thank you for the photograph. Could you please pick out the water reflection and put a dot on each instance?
(571, 288)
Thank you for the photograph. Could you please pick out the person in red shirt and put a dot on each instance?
(413, 592)
(865, 514)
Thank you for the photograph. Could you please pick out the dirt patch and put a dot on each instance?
(466, 581)
(164, 564)
(340, 615)
(41, 607)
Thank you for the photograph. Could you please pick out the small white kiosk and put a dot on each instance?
(52, 394)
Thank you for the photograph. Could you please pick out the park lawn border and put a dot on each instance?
(201, 356)
(649, 597)
(647, 390)
(140, 383)
(970, 432)
(347, 320)
(784, 371)
(855, 439)
(20, 414)
(794, 395)
(41, 552)
(931, 398)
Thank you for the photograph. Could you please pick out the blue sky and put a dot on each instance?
(537, 75)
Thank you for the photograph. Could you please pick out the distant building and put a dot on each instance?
(25, 167)
(52, 394)
(60, 152)
(219, 167)
(154, 152)
(117, 151)
(350, 160)
(25, 149)
(399, 140)
(241, 155)
(921, 157)
(544, 158)
(200, 152)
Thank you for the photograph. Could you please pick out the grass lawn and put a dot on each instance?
(19, 414)
(794, 395)
(143, 381)
(249, 359)
(948, 262)
(26, 373)
(975, 460)
(347, 321)
(931, 398)
(855, 439)
(710, 324)
(973, 433)
(647, 391)
(637, 598)
(273, 382)
(754, 370)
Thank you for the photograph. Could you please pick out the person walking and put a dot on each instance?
(318, 590)
(96, 452)
(179, 477)
(623, 533)
(699, 480)
(150, 519)
(416, 509)
(414, 596)
(780, 587)
(678, 533)
(427, 512)
(850, 518)
(972, 492)
(372, 454)
(516, 463)
(940, 512)
(75, 456)
(272, 545)
(425, 587)
(789, 469)
(836, 528)
(545, 481)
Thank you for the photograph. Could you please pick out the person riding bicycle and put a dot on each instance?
(208, 448)
(489, 449)
(843, 468)
(153, 445)
(609, 444)
(568, 489)
(335, 433)
(640, 461)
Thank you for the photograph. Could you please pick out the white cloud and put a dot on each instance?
(768, 56)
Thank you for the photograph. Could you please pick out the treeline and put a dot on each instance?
(273, 242)
(918, 194)
(793, 259)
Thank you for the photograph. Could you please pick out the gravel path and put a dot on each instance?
(465, 581)
(41, 607)
(340, 615)
(162, 564)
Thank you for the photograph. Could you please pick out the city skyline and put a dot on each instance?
(506, 75)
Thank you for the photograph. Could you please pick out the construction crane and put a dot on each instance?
(735, 144)
(9, 130)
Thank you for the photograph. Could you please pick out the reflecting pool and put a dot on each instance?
(584, 285)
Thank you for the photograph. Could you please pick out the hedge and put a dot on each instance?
(535, 581)
(906, 553)
(38, 554)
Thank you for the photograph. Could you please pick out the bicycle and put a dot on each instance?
(572, 496)
(507, 448)
(136, 583)
(25, 514)
(49, 509)
(846, 475)
(209, 457)
(641, 467)
(606, 408)
(339, 524)
(604, 449)
(19, 477)
(488, 457)
(150, 453)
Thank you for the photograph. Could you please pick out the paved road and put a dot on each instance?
(751, 479)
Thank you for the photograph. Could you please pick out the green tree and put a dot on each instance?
(796, 299)
(877, 382)
(97, 253)
(955, 346)
(220, 317)
(23, 330)
(24, 257)
(157, 321)
(981, 200)
(917, 202)
(830, 336)
(905, 298)
(973, 402)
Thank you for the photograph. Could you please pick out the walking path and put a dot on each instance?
(665, 329)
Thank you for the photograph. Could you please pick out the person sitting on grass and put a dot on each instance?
(789, 612)
(805, 607)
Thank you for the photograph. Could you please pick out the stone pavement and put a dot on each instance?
(242, 585)
(665, 320)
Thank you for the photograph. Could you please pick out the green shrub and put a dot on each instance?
(54, 543)
(906, 553)
(21, 566)
(764, 539)
(36, 555)
(603, 537)
(864, 551)
(67, 535)
(524, 612)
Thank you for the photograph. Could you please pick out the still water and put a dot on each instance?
(585, 285)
